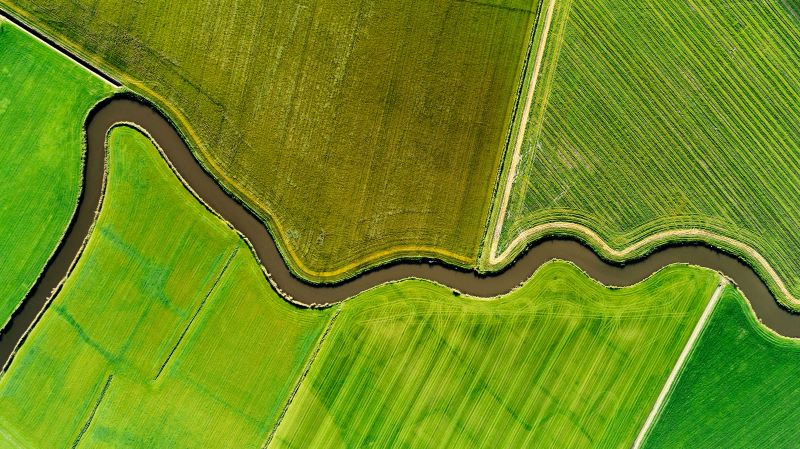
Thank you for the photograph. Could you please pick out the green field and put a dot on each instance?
(560, 362)
(663, 116)
(167, 318)
(44, 99)
(359, 131)
(739, 387)
(167, 334)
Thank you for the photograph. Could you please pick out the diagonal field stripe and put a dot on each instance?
(698, 329)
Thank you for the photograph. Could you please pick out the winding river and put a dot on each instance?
(126, 109)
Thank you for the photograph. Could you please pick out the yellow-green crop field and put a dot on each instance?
(44, 99)
(659, 116)
(166, 334)
(359, 131)
(560, 362)
(739, 388)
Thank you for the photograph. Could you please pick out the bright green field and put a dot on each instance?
(360, 131)
(668, 115)
(739, 388)
(560, 362)
(170, 302)
(44, 99)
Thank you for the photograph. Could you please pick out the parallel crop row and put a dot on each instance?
(666, 116)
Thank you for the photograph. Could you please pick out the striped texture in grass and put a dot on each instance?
(360, 131)
(170, 301)
(560, 362)
(44, 98)
(668, 115)
(738, 390)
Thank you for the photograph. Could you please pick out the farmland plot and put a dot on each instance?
(665, 116)
(358, 131)
(739, 388)
(560, 362)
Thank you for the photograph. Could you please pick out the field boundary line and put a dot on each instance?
(301, 379)
(197, 312)
(498, 183)
(526, 112)
(31, 31)
(94, 411)
(673, 375)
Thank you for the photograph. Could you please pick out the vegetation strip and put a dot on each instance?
(302, 378)
(515, 158)
(58, 48)
(197, 312)
(698, 329)
(94, 411)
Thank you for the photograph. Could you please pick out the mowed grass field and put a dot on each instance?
(738, 389)
(560, 362)
(167, 333)
(359, 131)
(44, 99)
(664, 116)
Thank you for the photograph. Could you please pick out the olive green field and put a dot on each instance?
(667, 116)
(44, 100)
(738, 389)
(359, 131)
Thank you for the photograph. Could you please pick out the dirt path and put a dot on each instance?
(526, 112)
(673, 375)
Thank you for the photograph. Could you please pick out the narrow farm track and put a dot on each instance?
(124, 109)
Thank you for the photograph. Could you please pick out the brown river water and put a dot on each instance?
(124, 108)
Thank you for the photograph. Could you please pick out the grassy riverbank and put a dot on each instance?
(44, 99)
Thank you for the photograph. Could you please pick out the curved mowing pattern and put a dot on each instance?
(128, 110)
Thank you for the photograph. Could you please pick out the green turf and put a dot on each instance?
(167, 334)
(738, 389)
(44, 99)
(668, 115)
(360, 131)
(560, 362)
